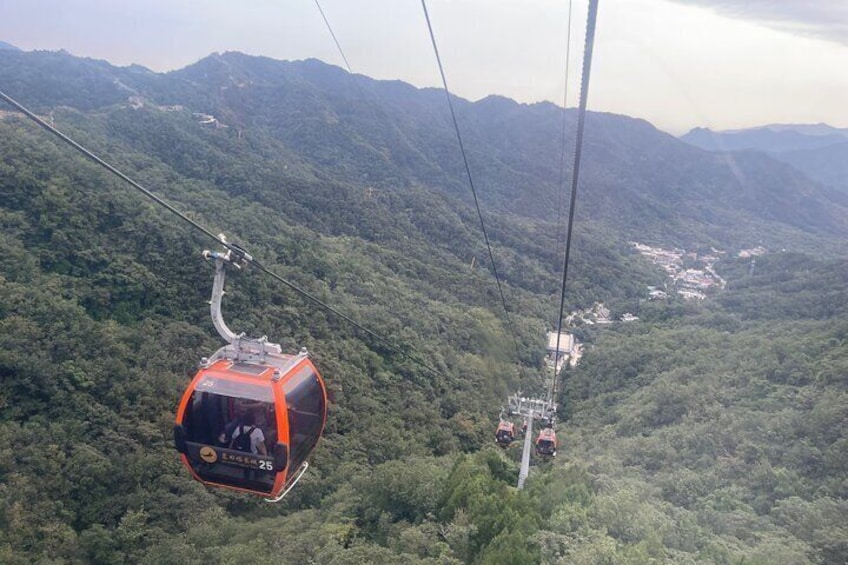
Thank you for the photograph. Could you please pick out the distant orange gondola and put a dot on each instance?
(505, 433)
(252, 415)
(546, 443)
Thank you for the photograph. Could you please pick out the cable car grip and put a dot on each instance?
(241, 348)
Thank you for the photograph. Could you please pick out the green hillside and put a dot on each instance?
(709, 432)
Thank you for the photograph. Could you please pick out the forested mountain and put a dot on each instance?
(828, 165)
(705, 432)
(817, 150)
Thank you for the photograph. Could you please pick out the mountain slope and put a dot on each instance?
(392, 137)
(828, 165)
(513, 151)
(819, 151)
(734, 416)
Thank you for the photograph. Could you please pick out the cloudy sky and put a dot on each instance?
(722, 64)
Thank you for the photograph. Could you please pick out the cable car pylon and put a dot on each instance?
(524, 471)
(531, 409)
(561, 349)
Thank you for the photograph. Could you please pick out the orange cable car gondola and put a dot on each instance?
(505, 433)
(546, 443)
(276, 403)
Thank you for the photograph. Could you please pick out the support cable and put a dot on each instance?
(338, 45)
(234, 248)
(470, 179)
(575, 173)
(561, 183)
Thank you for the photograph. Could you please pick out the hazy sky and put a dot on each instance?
(677, 63)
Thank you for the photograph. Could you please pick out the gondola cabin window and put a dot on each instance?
(220, 409)
(306, 407)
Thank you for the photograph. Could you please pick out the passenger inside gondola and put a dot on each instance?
(218, 420)
(261, 413)
(248, 436)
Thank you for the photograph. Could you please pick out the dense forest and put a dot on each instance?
(704, 432)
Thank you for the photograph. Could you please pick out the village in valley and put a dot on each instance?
(692, 276)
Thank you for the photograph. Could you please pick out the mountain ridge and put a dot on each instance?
(772, 138)
(391, 135)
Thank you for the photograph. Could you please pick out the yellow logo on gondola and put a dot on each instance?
(208, 454)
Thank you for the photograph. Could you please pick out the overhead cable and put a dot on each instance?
(575, 173)
(561, 183)
(338, 45)
(470, 179)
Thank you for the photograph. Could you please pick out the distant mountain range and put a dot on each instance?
(771, 138)
(4, 45)
(818, 150)
(389, 136)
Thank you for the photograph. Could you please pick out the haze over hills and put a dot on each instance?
(818, 150)
(770, 138)
(699, 431)
(389, 135)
